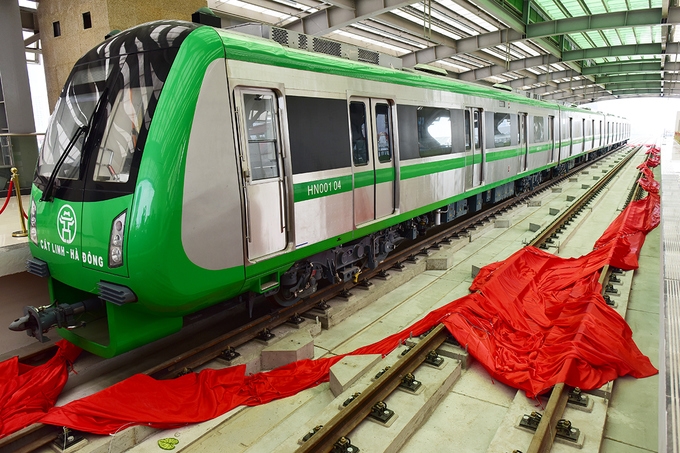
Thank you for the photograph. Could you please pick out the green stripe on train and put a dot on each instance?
(321, 188)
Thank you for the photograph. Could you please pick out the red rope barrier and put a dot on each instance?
(9, 194)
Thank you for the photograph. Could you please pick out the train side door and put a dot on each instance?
(262, 166)
(524, 149)
(373, 160)
(473, 143)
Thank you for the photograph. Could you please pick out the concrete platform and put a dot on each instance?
(13, 250)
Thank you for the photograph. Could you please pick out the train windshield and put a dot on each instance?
(73, 111)
(128, 87)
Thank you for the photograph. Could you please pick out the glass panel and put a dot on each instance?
(261, 130)
(357, 120)
(122, 131)
(73, 110)
(539, 128)
(382, 125)
(434, 131)
(468, 139)
(478, 130)
(501, 129)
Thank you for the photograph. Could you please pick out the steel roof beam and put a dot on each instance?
(589, 91)
(548, 78)
(650, 77)
(632, 85)
(334, 18)
(513, 65)
(613, 51)
(623, 67)
(634, 18)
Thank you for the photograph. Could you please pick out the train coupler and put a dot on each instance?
(39, 320)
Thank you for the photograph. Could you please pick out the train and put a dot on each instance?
(185, 165)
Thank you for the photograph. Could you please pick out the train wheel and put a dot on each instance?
(285, 300)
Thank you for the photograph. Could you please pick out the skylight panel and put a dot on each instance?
(503, 49)
(494, 53)
(446, 19)
(467, 14)
(616, 5)
(597, 39)
(552, 10)
(595, 6)
(391, 36)
(644, 34)
(258, 9)
(372, 42)
(612, 37)
(495, 79)
(574, 8)
(527, 49)
(418, 20)
(456, 67)
(580, 41)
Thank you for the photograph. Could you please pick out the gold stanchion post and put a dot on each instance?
(22, 233)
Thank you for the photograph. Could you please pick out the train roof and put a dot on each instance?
(239, 46)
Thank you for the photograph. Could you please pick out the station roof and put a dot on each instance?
(576, 51)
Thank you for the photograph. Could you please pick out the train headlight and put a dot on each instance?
(33, 229)
(116, 241)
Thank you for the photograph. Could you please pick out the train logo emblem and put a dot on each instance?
(66, 224)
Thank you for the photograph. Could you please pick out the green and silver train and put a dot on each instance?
(186, 165)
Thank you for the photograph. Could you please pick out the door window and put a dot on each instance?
(261, 131)
(382, 126)
(357, 122)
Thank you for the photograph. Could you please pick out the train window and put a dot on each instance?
(468, 139)
(434, 131)
(501, 129)
(382, 125)
(539, 129)
(120, 138)
(324, 146)
(357, 121)
(477, 129)
(566, 128)
(261, 129)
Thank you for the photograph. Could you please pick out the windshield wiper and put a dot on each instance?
(47, 193)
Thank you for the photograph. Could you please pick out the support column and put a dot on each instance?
(16, 106)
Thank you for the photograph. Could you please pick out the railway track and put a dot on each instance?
(333, 437)
(547, 428)
(36, 435)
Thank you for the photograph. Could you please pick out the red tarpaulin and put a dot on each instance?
(28, 392)
(534, 320)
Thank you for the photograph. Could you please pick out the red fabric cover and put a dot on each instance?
(533, 321)
(625, 236)
(654, 158)
(28, 392)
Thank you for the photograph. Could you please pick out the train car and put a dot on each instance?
(185, 165)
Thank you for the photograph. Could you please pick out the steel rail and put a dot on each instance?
(347, 419)
(571, 211)
(212, 349)
(546, 430)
